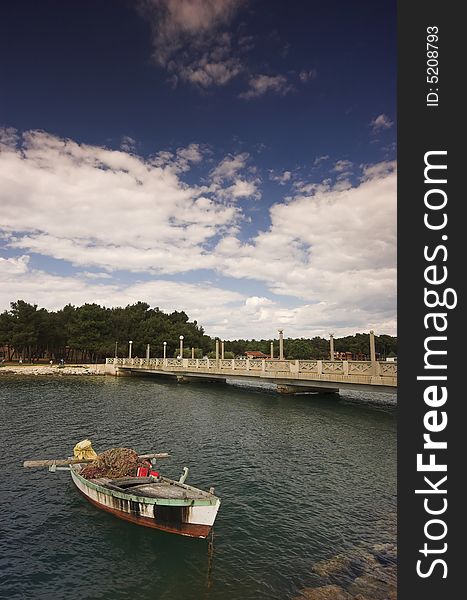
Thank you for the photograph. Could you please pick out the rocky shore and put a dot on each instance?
(51, 370)
(361, 574)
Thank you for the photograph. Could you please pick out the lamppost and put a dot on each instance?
(181, 346)
(281, 344)
(165, 350)
(148, 350)
(272, 349)
(331, 345)
(116, 349)
(222, 350)
(217, 352)
(130, 343)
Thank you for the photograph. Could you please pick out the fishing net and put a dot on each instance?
(114, 463)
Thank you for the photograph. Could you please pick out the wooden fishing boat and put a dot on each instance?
(145, 499)
(159, 503)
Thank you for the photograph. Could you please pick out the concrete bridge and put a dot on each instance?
(290, 376)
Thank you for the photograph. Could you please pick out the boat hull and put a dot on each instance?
(193, 518)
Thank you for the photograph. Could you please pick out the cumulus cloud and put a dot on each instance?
(229, 167)
(332, 247)
(94, 275)
(282, 178)
(241, 189)
(35, 286)
(380, 123)
(197, 42)
(232, 169)
(206, 72)
(8, 138)
(327, 260)
(108, 209)
(175, 22)
(182, 159)
(342, 166)
(14, 266)
(189, 41)
(128, 144)
(261, 84)
(230, 315)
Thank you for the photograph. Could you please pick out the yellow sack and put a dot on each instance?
(83, 451)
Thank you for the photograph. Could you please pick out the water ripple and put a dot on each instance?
(301, 479)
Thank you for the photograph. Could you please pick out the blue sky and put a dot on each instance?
(232, 158)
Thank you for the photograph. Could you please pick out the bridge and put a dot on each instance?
(290, 376)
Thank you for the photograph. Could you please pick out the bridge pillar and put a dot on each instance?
(189, 379)
(288, 390)
(123, 373)
(281, 344)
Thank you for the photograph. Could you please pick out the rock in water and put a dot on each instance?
(325, 592)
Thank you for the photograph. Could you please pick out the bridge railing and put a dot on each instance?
(377, 372)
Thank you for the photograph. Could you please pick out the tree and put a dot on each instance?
(89, 333)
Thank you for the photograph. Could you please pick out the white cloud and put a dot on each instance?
(380, 123)
(178, 22)
(182, 159)
(128, 144)
(107, 209)
(217, 309)
(206, 72)
(282, 178)
(241, 189)
(230, 170)
(8, 138)
(342, 166)
(222, 312)
(327, 261)
(229, 167)
(335, 248)
(93, 275)
(260, 84)
(188, 39)
(14, 266)
(320, 159)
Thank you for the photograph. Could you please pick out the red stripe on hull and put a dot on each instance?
(188, 529)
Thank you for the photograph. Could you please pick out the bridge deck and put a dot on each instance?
(381, 376)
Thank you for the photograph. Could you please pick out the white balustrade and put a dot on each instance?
(378, 373)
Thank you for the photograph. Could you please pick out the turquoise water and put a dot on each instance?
(301, 479)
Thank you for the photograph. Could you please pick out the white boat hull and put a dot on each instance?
(193, 518)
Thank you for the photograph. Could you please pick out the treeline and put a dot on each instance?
(90, 333)
(318, 348)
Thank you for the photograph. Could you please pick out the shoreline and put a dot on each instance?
(38, 370)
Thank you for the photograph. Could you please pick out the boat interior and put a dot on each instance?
(152, 488)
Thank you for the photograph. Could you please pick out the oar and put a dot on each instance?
(71, 461)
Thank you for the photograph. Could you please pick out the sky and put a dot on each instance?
(234, 159)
